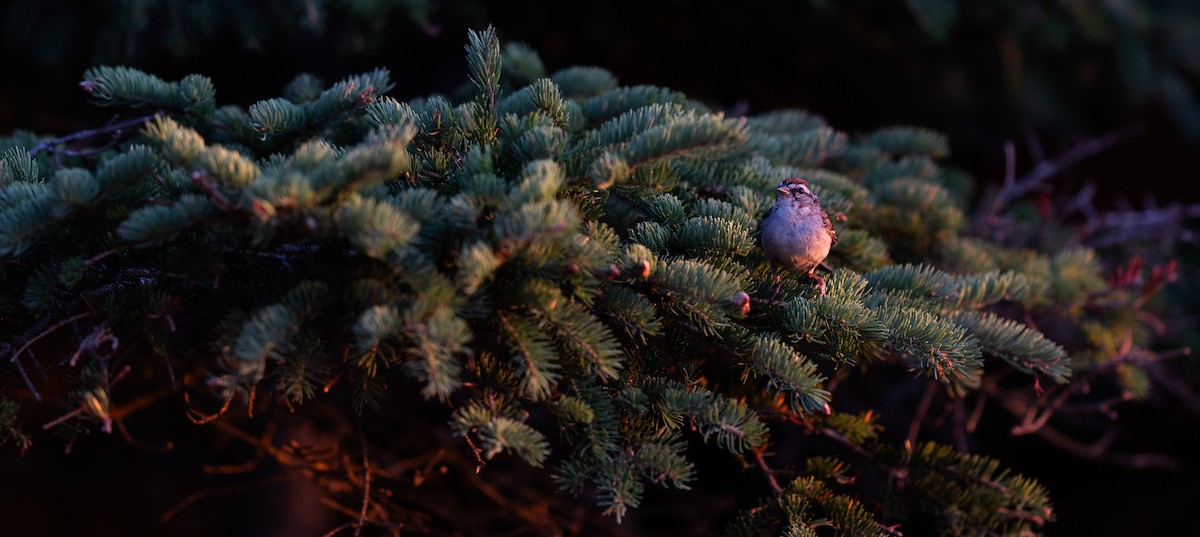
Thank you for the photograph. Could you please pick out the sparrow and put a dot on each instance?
(796, 233)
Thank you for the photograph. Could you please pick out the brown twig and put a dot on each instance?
(200, 418)
(977, 412)
(28, 343)
(107, 417)
(1180, 389)
(116, 129)
(1097, 451)
(479, 462)
(959, 414)
(1120, 227)
(63, 418)
(1016, 187)
(330, 503)
(841, 438)
(366, 463)
(251, 464)
(767, 471)
(1034, 420)
(922, 409)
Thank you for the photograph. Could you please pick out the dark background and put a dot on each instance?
(862, 65)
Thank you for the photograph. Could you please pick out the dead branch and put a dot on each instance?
(117, 130)
(1016, 187)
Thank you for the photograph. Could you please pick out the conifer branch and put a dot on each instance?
(116, 129)
(562, 249)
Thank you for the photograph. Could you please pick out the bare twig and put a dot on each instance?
(479, 462)
(16, 355)
(977, 412)
(767, 471)
(1180, 389)
(96, 258)
(1097, 451)
(200, 418)
(251, 464)
(366, 463)
(32, 336)
(28, 381)
(841, 438)
(63, 418)
(1134, 355)
(1045, 169)
(922, 409)
(959, 413)
(1119, 227)
(339, 529)
(116, 129)
(1034, 420)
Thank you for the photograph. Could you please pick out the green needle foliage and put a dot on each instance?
(555, 248)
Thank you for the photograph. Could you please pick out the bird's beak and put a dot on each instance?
(782, 190)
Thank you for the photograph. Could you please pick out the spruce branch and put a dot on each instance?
(563, 251)
(117, 130)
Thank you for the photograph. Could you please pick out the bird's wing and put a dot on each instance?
(758, 230)
(829, 226)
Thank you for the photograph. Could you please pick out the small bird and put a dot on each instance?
(796, 232)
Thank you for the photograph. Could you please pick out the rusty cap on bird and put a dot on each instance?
(783, 185)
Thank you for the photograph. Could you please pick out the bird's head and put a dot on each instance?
(794, 188)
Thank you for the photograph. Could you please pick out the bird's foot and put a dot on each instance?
(820, 283)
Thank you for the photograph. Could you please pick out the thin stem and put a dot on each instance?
(1097, 451)
(366, 500)
(114, 128)
(767, 471)
(1045, 169)
(959, 413)
(59, 420)
(16, 355)
(977, 412)
(922, 409)
(479, 462)
(28, 381)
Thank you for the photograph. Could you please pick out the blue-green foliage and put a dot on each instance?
(559, 242)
